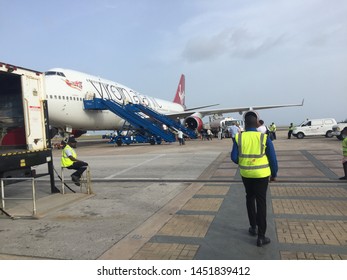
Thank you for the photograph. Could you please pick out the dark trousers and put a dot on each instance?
(290, 134)
(345, 168)
(256, 202)
(272, 135)
(79, 166)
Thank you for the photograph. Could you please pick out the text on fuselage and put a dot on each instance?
(119, 94)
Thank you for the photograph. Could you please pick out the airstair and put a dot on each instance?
(141, 118)
(164, 119)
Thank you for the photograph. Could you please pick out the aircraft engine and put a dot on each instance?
(53, 131)
(77, 133)
(74, 132)
(194, 121)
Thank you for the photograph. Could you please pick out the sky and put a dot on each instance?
(235, 53)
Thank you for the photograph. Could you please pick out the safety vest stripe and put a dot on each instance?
(239, 144)
(262, 146)
(247, 167)
(251, 156)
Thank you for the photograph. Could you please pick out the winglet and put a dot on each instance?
(181, 92)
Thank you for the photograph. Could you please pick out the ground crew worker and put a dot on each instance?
(254, 152)
(344, 152)
(180, 137)
(69, 160)
(234, 129)
(262, 127)
(209, 134)
(290, 130)
(272, 131)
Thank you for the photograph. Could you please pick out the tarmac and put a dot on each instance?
(171, 202)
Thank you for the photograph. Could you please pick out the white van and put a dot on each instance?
(312, 127)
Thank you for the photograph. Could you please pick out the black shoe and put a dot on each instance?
(76, 180)
(343, 178)
(252, 231)
(263, 241)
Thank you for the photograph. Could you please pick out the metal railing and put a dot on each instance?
(4, 198)
(85, 181)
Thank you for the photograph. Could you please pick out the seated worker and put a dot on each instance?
(69, 160)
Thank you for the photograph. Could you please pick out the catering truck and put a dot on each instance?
(24, 129)
(219, 123)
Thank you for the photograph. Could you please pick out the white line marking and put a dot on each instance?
(132, 167)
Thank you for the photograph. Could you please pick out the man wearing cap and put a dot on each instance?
(272, 130)
(254, 152)
(69, 160)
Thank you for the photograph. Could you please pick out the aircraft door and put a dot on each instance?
(310, 128)
(32, 90)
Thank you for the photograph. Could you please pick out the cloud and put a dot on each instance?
(205, 48)
(234, 42)
(251, 29)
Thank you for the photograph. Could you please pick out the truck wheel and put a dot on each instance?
(119, 142)
(329, 134)
(300, 135)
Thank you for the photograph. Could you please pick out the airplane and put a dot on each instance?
(66, 89)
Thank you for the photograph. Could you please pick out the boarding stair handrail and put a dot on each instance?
(165, 120)
(132, 116)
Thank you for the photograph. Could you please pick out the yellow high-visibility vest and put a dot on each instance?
(344, 147)
(272, 128)
(65, 160)
(253, 162)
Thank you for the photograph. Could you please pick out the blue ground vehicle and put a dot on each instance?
(134, 137)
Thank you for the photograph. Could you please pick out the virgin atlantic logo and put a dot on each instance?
(181, 94)
(76, 85)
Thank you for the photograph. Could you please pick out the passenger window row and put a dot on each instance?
(65, 97)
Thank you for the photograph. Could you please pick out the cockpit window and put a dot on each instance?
(50, 73)
(54, 73)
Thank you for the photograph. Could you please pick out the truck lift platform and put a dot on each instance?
(141, 118)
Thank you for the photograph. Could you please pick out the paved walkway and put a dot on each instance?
(207, 219)
(306, 216)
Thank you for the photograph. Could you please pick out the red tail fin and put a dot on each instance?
(181, 92)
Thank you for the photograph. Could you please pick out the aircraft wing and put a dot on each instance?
(229, 110)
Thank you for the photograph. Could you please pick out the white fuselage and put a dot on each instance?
(66, 89)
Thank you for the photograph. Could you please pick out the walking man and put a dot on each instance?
(254, 152)
(272, 131)
(290, 130)
(180, 137)
(262, 127)
(234, 130)
(344, 152)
